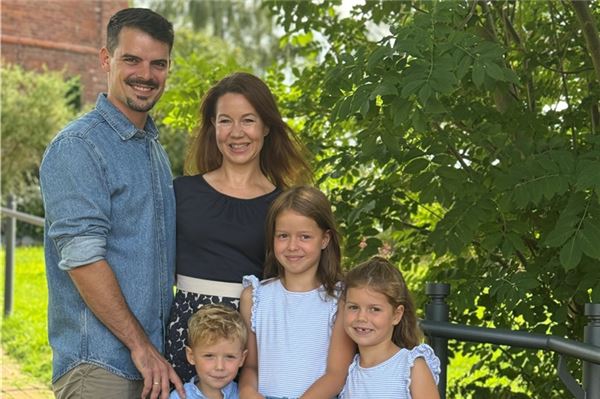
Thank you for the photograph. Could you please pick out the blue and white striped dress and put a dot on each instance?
(293, 330)
(389, 379)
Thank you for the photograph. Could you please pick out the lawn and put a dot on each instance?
(24, 332)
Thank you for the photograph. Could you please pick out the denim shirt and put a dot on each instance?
(108, 194)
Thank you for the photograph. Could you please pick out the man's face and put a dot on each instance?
(137, 72)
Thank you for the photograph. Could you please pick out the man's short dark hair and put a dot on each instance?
(143, 19)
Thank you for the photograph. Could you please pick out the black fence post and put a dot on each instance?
(591, 335)
(10, 235)
(437, 310)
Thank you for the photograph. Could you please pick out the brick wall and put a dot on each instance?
(60, 35)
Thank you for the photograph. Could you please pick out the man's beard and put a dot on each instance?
(137, 105)
(140, 107)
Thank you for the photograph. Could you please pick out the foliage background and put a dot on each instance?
(34, 106)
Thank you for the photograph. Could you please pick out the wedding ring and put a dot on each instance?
(156, 382)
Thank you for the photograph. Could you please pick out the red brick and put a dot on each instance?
(64, 24)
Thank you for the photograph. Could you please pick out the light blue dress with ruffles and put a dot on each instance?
(389, 379)
(293, 331)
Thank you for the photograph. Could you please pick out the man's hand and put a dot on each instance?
(157, 373)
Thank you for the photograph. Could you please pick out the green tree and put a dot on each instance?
(35, 106)
(464, 142)
(244, 24)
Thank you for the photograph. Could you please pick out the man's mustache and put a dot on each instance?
(150, 83)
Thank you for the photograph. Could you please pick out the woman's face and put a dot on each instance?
(240, 132)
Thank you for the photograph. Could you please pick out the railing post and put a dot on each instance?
(437, 310)
(591, 335)
(9, 253)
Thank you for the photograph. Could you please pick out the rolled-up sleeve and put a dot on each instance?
(76, 195)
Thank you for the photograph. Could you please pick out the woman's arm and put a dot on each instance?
(422, 384)
(248, 386)
(340, 354)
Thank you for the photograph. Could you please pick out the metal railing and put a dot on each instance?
(10, 231)
(439, 330)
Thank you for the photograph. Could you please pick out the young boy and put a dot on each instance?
(217, 348)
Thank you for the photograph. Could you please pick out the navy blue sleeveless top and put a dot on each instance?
(219, 238)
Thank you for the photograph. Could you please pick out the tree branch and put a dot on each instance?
(590, 32)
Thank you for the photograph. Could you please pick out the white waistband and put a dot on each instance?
(209, 287)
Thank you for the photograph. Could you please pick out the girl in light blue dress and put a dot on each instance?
(297, 347)
(380, 317)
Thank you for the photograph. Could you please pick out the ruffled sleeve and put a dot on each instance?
(351, 367)
(339, 288)
(426, 352)
(252, 281)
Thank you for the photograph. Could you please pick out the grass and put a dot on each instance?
(24, 332)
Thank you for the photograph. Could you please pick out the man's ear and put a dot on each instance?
(104, 56)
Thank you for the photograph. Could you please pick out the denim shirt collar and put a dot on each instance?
(120, 123)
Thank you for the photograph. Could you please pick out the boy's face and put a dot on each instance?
(217, 364)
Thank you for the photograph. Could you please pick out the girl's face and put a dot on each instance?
(369, 318)
(298, 243)
(240, 130)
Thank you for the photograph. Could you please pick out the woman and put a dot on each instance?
(242, 157)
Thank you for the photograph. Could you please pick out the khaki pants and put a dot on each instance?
(88, 381)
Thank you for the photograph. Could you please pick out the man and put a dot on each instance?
(110, 226)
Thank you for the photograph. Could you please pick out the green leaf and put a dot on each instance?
(558, 237)
(463, 66)
(369, 146)
(376, 57)
(400, 111)
(587, 175)
(516, 242)
(570, 253)
(419, 182)
(391, 142)
(434, 106)
(494, 71)
(384, 89)
(412, 87)
(416, 165)
(425, 93)
(418, 121)
(360, 96)
(478, 73)
(358, 211)
(443, 81)
(491, 241)
(590, 239)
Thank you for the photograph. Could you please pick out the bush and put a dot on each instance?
(35, 106)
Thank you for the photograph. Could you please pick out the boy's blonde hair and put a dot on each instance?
(212, 323)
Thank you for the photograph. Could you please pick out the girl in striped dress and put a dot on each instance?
(380, 317)
(297, 347)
